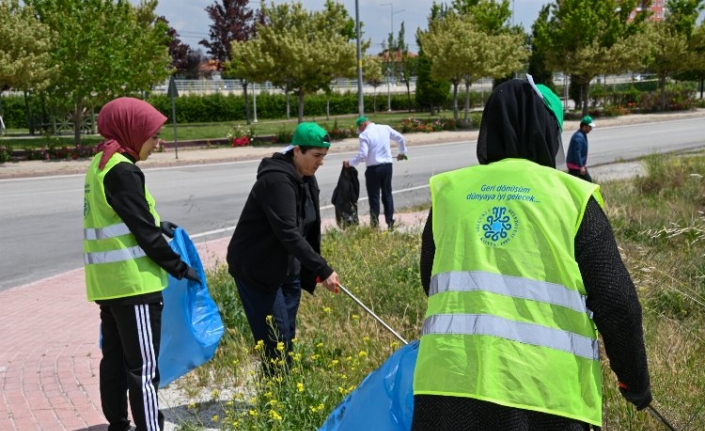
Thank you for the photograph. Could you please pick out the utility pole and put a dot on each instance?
(390, 56)
(360, 96)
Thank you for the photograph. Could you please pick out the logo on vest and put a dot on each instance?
(497, 226)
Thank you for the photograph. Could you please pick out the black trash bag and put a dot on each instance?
(345, 198)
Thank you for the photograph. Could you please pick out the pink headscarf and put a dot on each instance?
(126, 123)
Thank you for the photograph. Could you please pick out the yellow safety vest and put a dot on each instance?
(115, 265)
(507, 320)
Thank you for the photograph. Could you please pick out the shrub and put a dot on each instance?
(5, 153)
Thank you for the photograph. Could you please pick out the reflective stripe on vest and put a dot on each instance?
(516, 287)
(114, 256)
(106, 232)
(527, 333)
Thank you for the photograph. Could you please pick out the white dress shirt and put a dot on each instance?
(375, 145)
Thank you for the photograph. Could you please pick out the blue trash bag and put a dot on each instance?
(384, 401)
(191, 323)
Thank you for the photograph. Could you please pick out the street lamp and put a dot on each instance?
(391, 58)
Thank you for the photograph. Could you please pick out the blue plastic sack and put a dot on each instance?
(191, 323)
(384, 401)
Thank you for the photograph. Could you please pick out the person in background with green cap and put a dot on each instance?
(376, 151)
(275, 249)
(578, 150)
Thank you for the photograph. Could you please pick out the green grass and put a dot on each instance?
(658, 221)
(20, 139)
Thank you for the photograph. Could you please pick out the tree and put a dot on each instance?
(233, 21)
(431, 93)
(538, 67)
(106, 49)
(178, 50)
(372, 71)
(24, 51)
(588, 38)
(696, 71)
(406, 64)
(462, 52)
(673, 48)
(299, 51)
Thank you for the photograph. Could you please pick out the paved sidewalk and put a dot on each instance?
(49, 352)
(49, 355)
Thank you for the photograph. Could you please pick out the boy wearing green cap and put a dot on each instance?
(275, 249)
(576, 160)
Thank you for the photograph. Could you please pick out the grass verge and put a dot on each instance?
(658, 221)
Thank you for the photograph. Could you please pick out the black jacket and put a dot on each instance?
(345, 196)
(268, 237)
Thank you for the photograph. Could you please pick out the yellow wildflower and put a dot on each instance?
(300, 387)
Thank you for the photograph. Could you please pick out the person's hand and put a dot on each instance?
(583, 170)
(401, 157)
(346, 163)
(192, 275)
(331, 283)
(640, 399)
(168, 228)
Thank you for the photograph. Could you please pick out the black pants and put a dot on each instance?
(131, 337)
(379, 177)
(282, 305)
(576, 173)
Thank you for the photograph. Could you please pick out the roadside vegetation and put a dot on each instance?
(658, 220)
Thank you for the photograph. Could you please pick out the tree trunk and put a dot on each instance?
(288, 104)
(466, 116)
(28, 111)
(247, 102)
(374, 101)
(408, 96)
(662, 83)
(455, 101)
(77, 121)
(328, 108)
(301, 106)
(585, 95)
(702, 87)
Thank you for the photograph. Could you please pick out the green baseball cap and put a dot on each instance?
(588, 120)
(361, 119)
(310, 134)
(552, 102)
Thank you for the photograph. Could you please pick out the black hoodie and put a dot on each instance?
(268, 236)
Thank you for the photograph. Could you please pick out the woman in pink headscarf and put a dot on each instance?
(126, 263)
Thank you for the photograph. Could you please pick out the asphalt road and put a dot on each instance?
(41, 226)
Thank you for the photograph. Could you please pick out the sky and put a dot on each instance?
(189, 17)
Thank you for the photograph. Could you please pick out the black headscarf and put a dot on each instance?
(517, 124)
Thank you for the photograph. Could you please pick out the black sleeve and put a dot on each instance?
(124, 190)
(277, 199)
(612, 298)
(428, 250)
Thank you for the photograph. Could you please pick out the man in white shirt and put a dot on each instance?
(376, 151)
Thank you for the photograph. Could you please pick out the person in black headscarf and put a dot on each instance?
(521, 268)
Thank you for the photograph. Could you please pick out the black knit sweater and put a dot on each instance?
(612, 298)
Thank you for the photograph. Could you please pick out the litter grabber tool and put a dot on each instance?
(660, 418)
(371, 313)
